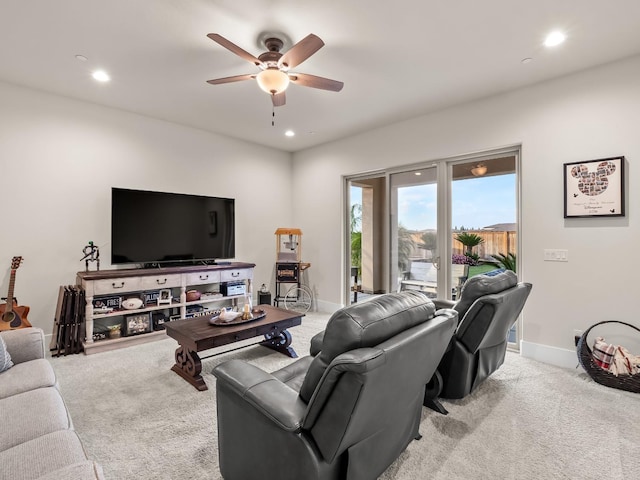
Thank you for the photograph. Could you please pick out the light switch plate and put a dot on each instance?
(556, 255)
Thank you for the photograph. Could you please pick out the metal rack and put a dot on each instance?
(290, 288)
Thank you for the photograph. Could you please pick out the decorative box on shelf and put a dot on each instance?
(229, 289)
(158, 320)
(137, 323)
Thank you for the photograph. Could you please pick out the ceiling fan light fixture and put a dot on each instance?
(273, 81)
(479, 170)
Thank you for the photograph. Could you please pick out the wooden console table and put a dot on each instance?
(123, 282)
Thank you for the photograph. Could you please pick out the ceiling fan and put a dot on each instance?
(275, 76)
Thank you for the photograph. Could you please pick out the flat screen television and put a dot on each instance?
(170, 228)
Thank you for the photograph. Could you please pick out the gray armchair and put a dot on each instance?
(488, 307)
(346, 413)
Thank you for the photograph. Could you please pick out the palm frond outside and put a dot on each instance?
(508, 261)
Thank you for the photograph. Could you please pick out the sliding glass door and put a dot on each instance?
(431, 227)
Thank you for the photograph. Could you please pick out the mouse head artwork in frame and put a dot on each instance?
(593, 182)
(594, 188)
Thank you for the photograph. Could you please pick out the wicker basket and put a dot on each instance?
(630, 383)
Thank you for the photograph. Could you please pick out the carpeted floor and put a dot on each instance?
(528, 421)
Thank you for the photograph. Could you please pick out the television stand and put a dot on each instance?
(118, 285)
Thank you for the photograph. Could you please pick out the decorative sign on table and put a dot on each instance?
(594, 188)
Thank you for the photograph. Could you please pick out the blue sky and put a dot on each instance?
(476, 203)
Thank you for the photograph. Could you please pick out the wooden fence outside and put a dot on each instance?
(495, 242)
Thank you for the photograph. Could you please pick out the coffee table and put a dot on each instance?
(197, 334)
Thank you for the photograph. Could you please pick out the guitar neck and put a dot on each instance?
(12, 282)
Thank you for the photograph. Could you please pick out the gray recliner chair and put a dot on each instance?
(346, 413)
(488, 307)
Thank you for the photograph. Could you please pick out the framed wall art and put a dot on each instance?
(594, 188)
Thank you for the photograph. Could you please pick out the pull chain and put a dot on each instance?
(273, 115)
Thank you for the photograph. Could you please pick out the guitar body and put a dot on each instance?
(15, 318)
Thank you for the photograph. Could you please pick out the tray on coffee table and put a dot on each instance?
(256, 314)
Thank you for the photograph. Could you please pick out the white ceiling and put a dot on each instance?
(398, 59)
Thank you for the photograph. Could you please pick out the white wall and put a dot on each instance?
(59, 159)
(591, 115)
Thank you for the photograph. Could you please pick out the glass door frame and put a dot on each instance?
(444, 175)
(346, 228)
(440, 237)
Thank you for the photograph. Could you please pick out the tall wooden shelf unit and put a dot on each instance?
(132, 282)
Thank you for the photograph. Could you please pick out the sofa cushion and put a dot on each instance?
(5, 358)
(29, 415)
(491, 282)
(24, 344)
(41, 456)
(364, 325)
(26, 376)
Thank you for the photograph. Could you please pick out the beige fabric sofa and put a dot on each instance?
(37, 440)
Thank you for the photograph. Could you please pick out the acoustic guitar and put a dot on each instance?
(13, 316)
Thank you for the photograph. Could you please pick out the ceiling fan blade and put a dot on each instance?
(301, 51)
(279, 99)
(235, 78)
(234, 48)
(316, 82)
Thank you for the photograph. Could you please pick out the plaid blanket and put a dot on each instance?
(614, 358)
(603, 353)
(624, 363)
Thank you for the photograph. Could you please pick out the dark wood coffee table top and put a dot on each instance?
(197, 334)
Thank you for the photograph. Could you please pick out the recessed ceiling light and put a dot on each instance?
(418, 173)
(101, 76)
(554, 39)
(289, 133)
(82, 58)
(526, 60)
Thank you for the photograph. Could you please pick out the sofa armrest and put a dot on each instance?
(443, 303)
(24, 344)
(274, 399)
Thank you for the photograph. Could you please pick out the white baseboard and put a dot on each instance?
(326, 307)
(560, 357)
